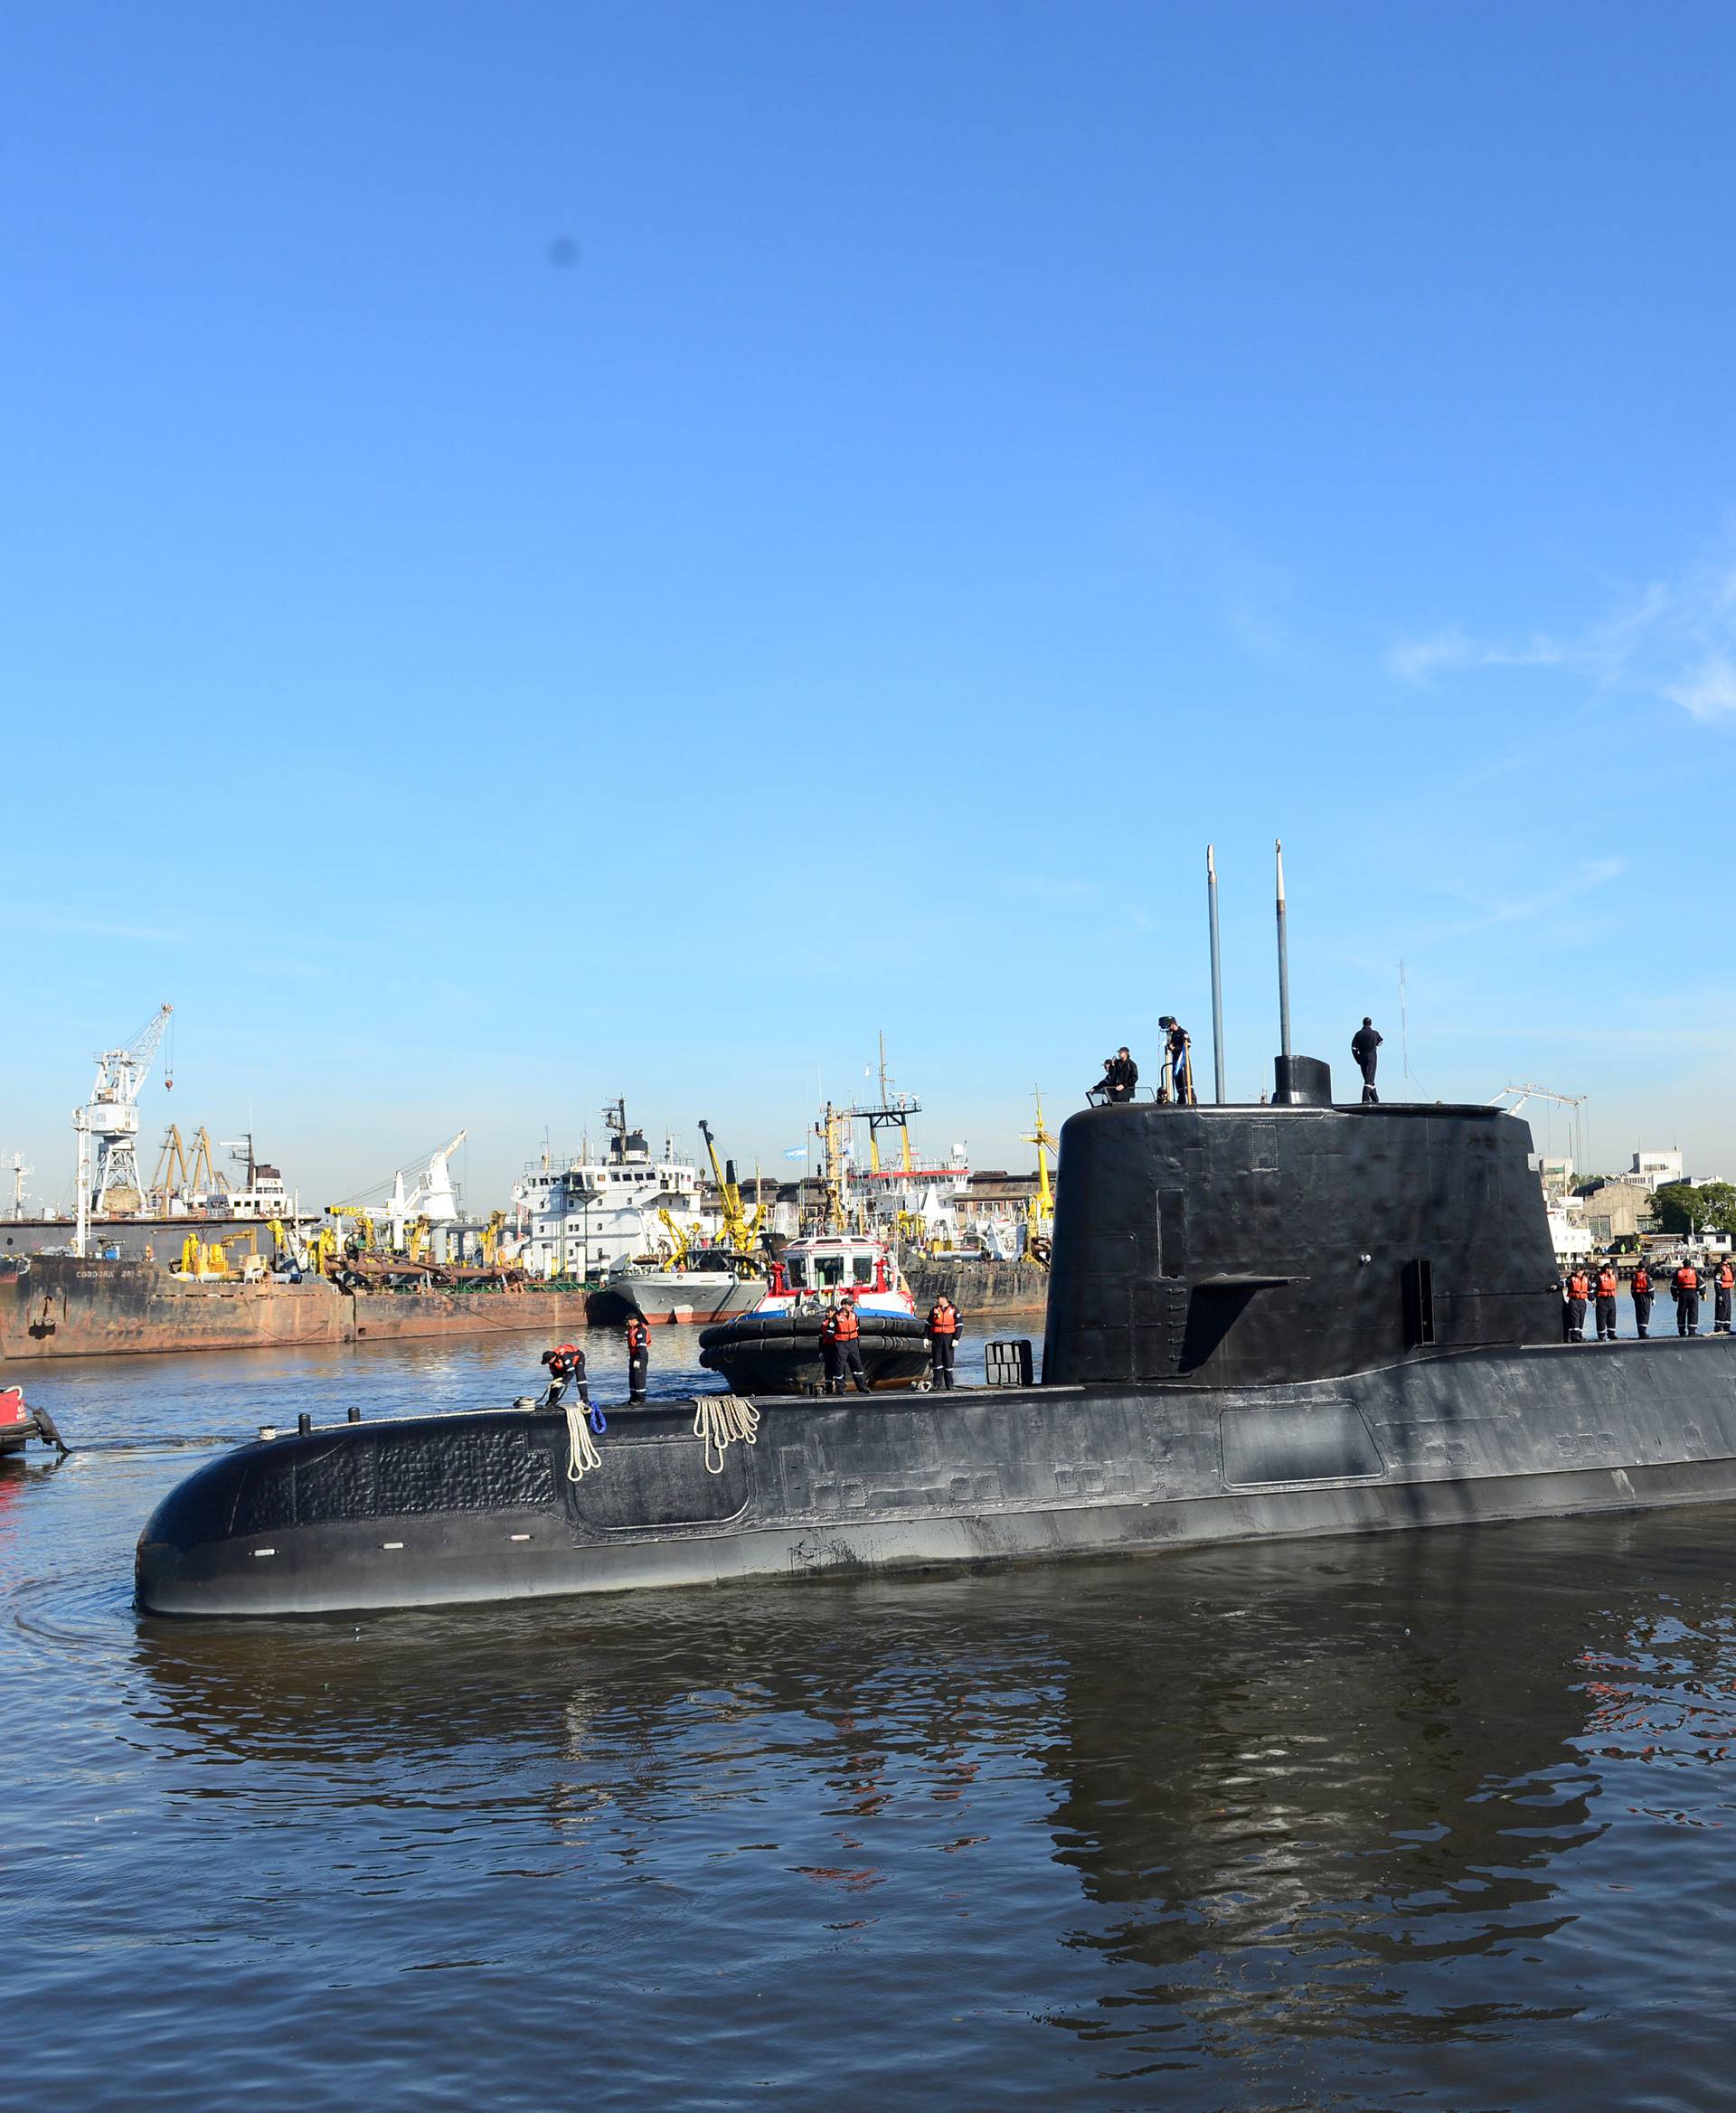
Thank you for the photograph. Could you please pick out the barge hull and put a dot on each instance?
(443, 1510)
(65, 1307)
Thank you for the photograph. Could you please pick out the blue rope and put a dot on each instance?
(599, 1422)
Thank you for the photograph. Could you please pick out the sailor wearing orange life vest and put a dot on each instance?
(1722, 1285)
(943, 1338)
(1643, 1295)
(638, 1356)
(566, 1363)
(1684, 1289)
(1608, 1284)
(1578, 1289)
(841, 1346)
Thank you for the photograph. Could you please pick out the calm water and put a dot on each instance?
(1443, 1820)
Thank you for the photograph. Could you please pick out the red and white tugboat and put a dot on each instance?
(19, 1425)
(775, 1349)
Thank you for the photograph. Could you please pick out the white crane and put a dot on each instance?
(1574, 1102)
(110, 1118)
(21, 1174)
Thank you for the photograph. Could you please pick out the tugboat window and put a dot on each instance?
(865, 1268)
(797, 1273)
(828, 1270)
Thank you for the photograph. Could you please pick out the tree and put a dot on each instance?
(1680, 1207)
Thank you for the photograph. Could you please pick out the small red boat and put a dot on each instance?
(19, 1425)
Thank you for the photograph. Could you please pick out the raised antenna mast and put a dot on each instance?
(1283, 976)
(1217, 976)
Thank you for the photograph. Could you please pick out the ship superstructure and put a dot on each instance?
(577, 1218)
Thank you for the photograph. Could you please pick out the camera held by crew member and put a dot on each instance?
(1364, 1046)
(1642, 1295)
(841, 1346)
(943, 1338)
(1608, 1284)
(1722, 1283)
(1120, 1076)
(1577, 1291)
(1177, 1083)
(1684, 1287)
(566, 1363)
(638, 1355)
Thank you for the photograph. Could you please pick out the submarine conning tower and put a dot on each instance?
(1235, 1245)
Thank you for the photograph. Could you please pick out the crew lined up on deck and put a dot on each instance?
(1688, 1284)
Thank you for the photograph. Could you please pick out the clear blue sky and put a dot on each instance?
(557, 549)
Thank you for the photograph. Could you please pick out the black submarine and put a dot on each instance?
(1264, 1320)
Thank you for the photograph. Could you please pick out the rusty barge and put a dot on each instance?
(63, 1307)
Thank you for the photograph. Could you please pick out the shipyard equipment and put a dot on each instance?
(741, 1230)
(107, 1129)
(1043, 1205)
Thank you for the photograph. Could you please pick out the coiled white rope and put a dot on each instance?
(718, 1419)
(582, 1447)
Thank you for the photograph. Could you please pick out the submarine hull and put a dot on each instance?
(418, 1511)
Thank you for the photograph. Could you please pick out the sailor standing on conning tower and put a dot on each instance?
(1364, 1046)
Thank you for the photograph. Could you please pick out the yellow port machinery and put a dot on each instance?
(1042, 1206)
(741, 1233)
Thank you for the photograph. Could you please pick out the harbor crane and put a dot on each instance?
(741, 1230)
(21, 1174)
(1572, 1102)
(1043, 1205)
(108, 1128)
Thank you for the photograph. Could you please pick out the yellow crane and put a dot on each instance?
(365, 1234)
(198, 1157)
(741, 1230)
(171, 1167)
(186, 1169)
(1043, 1205)
(491, 1235)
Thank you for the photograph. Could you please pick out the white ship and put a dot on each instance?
(583, 1217)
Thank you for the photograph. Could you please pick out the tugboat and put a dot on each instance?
(775, 1349)
(19, 1424)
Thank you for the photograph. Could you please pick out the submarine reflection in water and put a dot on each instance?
(1272, 1321)
(1335, 1769)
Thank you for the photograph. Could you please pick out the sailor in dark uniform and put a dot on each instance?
(638, 1356)
(1607, 1286)
(1684, 1286)
(1722, 1283)
(1120, 1076)
(1176, 1081)
(1577, 1291)
(1642, 1295)
(566, 1363)
(1364, 1046)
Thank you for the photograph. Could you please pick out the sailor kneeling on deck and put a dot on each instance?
(566, 1363)
(943, 1338)
(841, 1348)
